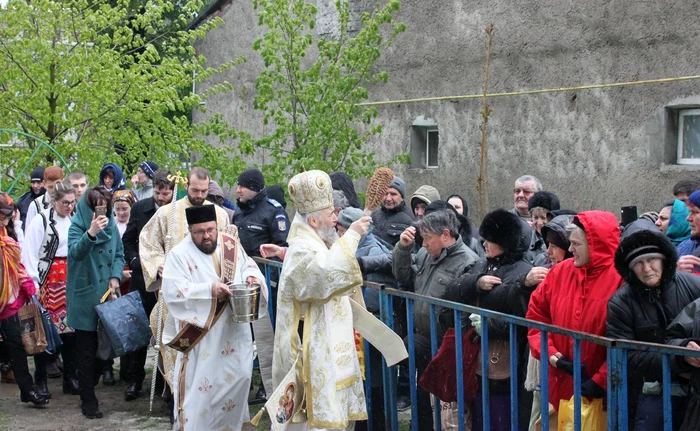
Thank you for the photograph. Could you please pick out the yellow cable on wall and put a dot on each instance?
(525, 92)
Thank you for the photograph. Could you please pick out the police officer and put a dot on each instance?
(260, 220)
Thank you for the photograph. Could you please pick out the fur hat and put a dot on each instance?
(503, 228)
(546, 200)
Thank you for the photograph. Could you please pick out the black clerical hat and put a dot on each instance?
(200, 214)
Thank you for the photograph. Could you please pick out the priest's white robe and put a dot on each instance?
(315, 285)
(212, 380)
(166, 228)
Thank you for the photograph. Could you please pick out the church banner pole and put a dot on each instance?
(177, 179)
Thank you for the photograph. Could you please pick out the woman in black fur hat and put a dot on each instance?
(488, 285)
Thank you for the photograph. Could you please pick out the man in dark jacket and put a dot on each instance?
(442, 258)
(684, 331)
(36, 189)
(394, 216)
(260, 220)
(141, 213)
(653, 294)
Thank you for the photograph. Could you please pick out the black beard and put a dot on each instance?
(207, 249)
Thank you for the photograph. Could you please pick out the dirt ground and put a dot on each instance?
(63, 412)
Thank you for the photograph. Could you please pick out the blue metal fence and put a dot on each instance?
(617, 350)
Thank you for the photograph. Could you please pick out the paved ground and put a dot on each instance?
(63, 412)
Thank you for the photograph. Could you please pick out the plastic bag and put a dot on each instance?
(593, 417)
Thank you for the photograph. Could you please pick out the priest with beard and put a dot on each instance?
(213, 371)
(319, 277)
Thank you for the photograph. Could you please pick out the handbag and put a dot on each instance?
(53, 340)
(440, 376)
(593, 417)
(499, 359)
(123, 320)
(32, 329)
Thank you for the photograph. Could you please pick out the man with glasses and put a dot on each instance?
(163, 232)
(525, 187)
(44, 255)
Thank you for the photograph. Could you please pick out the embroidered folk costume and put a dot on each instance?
(44, 255)
(167, 227)
(213, 368)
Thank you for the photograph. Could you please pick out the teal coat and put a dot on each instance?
(91, 263)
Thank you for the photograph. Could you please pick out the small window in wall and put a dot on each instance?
(689, 137)
(425, 141)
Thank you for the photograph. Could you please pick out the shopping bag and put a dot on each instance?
(449, 417)
(593, 417)
(440, 376)
(32, 329)
(53, 340)
(125, 323)
(104, 346)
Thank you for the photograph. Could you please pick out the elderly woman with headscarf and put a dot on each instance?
(672, 221)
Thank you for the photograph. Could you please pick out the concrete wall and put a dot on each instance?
(595, 149)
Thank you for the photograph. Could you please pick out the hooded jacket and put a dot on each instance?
(91, 263)
(371, 246)
(425, 194)
(430, 277)
(390, 223)
(119, 181)
(577, 299)
(678, 227)
(641, 313)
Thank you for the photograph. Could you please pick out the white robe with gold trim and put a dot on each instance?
(315, 284)
(168, 220)
(213, 379)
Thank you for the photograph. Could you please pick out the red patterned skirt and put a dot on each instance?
(52, 294)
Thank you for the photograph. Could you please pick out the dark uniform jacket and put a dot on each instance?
(141, 213)
(389, 224)
(261, 221)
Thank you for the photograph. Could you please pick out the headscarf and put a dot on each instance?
(119, 181)
(678, 227)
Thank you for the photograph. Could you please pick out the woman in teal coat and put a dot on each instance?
(95, 263)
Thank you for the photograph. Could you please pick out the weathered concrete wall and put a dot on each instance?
(596, 148)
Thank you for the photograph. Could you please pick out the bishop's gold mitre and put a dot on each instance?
(311, 191)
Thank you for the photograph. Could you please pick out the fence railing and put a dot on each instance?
(617, 351)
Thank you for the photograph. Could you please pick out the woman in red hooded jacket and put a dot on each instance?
(575, 295)
(16, 290)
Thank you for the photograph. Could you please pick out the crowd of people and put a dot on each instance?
(67, 244)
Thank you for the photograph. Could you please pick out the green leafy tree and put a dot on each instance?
(105, 81)
(312, 88)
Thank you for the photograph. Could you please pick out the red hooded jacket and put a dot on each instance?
(577, 299)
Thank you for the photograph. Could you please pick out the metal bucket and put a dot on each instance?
(245, 302)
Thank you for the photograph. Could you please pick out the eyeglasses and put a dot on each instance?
(67, 204)
(526, 192)
(210, 232)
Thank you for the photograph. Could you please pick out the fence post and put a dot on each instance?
(391, 417)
